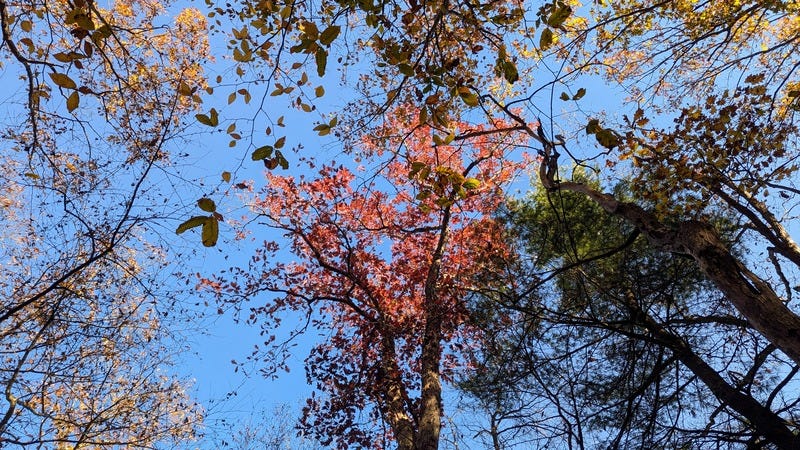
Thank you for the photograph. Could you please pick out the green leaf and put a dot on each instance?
(214, 116)
(282, 161)
(468, 97)
(63, 81)
(405, 69)
(195, 221)
(101, 34)
(211, 120)
(416, 167)
(210, 232)
(184, 89)
(64, 57)
(323, 129)
(510, 72)
(471, 183)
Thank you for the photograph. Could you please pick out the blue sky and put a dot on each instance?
(217, 340)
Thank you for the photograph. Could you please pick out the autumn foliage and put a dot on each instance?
(382, 267)
(96, 90)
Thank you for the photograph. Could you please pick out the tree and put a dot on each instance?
(382, 264)
(101, 93)
(624, 347)
(706, 125)
(725, 150)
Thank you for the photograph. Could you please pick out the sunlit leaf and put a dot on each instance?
(73, 101)
(63, 80)
(471, 183)
(195, 221)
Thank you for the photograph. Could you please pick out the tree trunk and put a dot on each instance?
(430, 413)
(393, 403)
(764, 421)
(751, 296)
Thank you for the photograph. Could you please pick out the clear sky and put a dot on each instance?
(216, 340)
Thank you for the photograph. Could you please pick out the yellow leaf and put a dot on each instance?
(210, 232)
(63, 80)
(184, 89)
(319, 91)
(73, 101)
(195, 221)
(226, 177)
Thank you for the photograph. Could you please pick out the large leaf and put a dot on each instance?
(195, 221)
(210, 232)
(63, 80)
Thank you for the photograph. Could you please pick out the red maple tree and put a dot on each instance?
(383, 265)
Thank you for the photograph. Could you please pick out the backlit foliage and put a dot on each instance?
(381, 265)
(95, 91)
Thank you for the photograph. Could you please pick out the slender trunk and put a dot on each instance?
(764, 421)
(749, 294)
(430, 412)
(393, 403)
(430, 409)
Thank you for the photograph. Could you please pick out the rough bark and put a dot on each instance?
(430, 413)
(394, 397)
(750, 295)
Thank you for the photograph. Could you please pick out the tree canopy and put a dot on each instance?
(642, 296)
